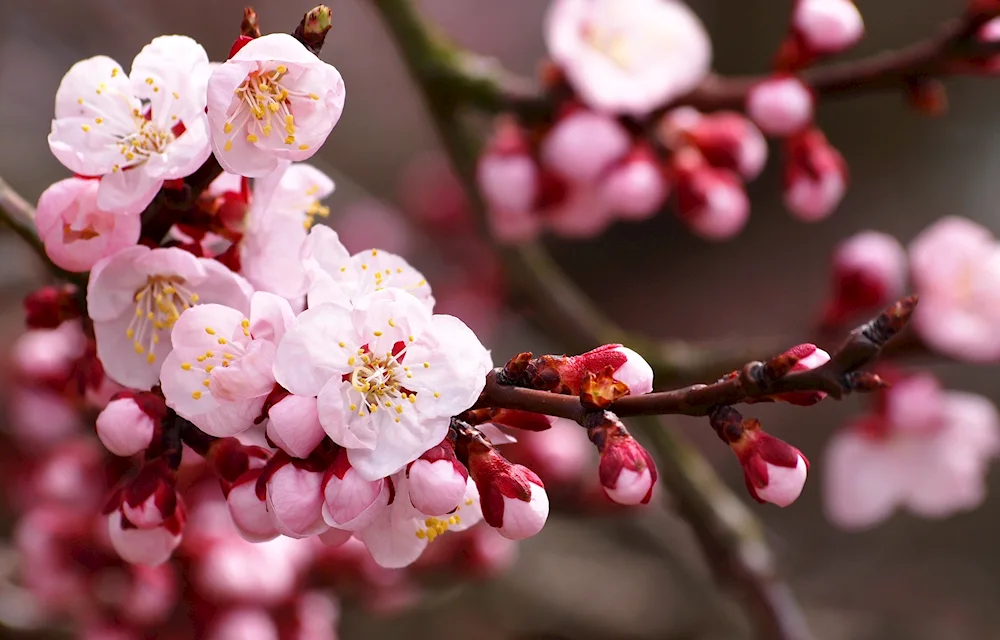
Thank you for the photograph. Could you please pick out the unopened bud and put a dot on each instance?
(248, 512)
(349, 501)
(513, 498)
(869, 270)
(815, 177)
(827, 26)
(780, 106)
(49, 307)
(293, 425)
(509, 180)
(627, 471)
(583, 145)
(127, 424)
(728, 140)
(635, 188)
(712, 202)
(806, 357)
(437, 480)
(146, 546)
(151, 497)
(294, 497)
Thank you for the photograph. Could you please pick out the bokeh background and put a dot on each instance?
(608, 577)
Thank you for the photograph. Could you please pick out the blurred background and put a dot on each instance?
(637, 575)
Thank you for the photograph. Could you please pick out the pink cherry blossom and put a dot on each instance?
(248, 512)
(127, 423)
(437, 480)
(351, 502)
(815, 177)
(283, 206)
(139, 293)
(628, 57)
(828, 26)
(508, 178)
(389, 375)
(293, 425)
(780, 106)
(246, 623)
(726, 139)
(401, 532)
(955, 266)
(219, 372)
(635, 188)
(808, 356)
(869, 271)
(231, 569)
(928, 452)
(710, 201)
(583, 145)
(48, 354)
(295, 500)
(101, 126)
(337, 277)
(513, 498)
(273, 100)
(76, 232)
(146, 546)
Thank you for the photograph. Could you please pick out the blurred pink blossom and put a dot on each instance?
(815, 177)
(780, 106)
(869, 271)
(827, 26)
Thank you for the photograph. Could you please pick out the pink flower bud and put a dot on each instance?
(583, 144)
(513, 498)
(627, 471)
(349, 501)
(248, 512)
(437, 481)
(815, 176)
(780, 106)
(582, 214)
(810, 356)
(151, 497)
(293, 425)
(243, 624)
(335, 537)
(49, 307)
(869, 271)
(710, 201)
(774, 470)
(828, 26)
(127, 424)
(507, 174)
(636, 187)
(729, 141)
(628, 367)
(295, 500)
(146, 546)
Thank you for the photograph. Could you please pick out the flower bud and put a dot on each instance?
(509, 180)
(635, 188)
(827, 26)
(437, 480)
(710, 201)
(349, 501)
(627, 471)
(815, 177)
(780, 106)
(146, 546)
(774, 471)
(627, 367)
(295, 499)
(808, 357)
(247, 511)
(293, 425)
(583, 144)
(49, 307)
(728, 140)
(126, 426)
(512, 497)
(869, 271)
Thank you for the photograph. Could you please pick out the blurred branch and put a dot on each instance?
(18, 214)
(513, 387)
(734, 545)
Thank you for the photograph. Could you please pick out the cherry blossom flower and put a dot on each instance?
(137, 130)
(955, 266)
(828, 26)
(76, 232)
(350, 502)
(151, 546)
(437, 480)
(726, 139)
(509, 179)
(139, 293)
(400, 533)
(628, 57)
(248, 511)
(710, 201)
(583, 144)
(635, 188)
(388, 374)
(807, 357)
(295, 499)
(815, 177)
(283, 206)
(926, 451)
(337, 277)
(869, 271)
(627, 471)
(273, 100)
(127, 424)
(219, 372)
(780, 106)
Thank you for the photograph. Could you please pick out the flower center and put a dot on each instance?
(225, 355)
(315, 210)
(148, 139)
(433, 527)
(158, 305)
(612, 43)
(265, 106)
(378, 382)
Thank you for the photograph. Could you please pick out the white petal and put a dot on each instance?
(401, 439)
(448, 360)
(310, 352)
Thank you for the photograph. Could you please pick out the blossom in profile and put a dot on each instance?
(628, 57)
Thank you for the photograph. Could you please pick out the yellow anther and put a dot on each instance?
(350, 361)
(392, 323)
(151, 358)
(427, 365)
(222, 341)
(437, 395)
(176, 95)
(303, 147)
(149, 81)
(313, 96)
(364, 267)
(98, 120)
(200, 358)
(245, 323)
(228, 146)
(186, 366)
(274, 106)
(194, 298)
(196, 395)
(114, 72)
(282, 68)
(79, 100)
(341, 344)
(399, 408)
(228, 127)
(138, 348)
(266, 130)
(422, 534)
(207, 382)
(290, 140)
(252, 137)
(354, 407)
(85, 127)
(412, 398)
(210, 331)
(378, 334)
(410, 338)
(290, 123)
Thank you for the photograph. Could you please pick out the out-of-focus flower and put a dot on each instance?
(628, 57)
(152, 546)
(926, 450)
(955, 267)
(138, 294)
(76, 232)
(710, 201)
(635, 188)
(827, 26)
(137, 130)
(219, 372)
(869, 271)
(389, 375)
(780, 106)
(273, 100)
(583, 145)
(815, 177)
(726, 139)
(509, 178)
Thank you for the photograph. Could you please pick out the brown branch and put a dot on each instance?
(755, 382)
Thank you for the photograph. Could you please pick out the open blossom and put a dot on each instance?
(273, 100)
(337, 277)
(400, 533)
(283, 206)
(76, 232)
(137, 295)
(219, 372)
(389, 375)
(955, 266)
(136, 130)
(628, 57)
(927, 450)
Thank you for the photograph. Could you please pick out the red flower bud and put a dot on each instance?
(513, 498)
